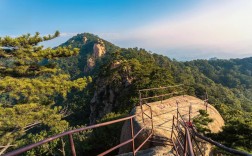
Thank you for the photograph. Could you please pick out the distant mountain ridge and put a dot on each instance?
(232, 73)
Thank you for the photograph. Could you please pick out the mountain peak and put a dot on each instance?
(81, 39)
(85, 38)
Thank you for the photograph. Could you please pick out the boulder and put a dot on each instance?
(162, 119)
(85, 39)
(98, 50)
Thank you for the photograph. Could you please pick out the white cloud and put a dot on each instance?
(68, 34)
(110, 35)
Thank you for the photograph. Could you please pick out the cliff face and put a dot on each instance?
(105, 91)
(84, 39)
(90, 63)
(99, 50)
(107, 94)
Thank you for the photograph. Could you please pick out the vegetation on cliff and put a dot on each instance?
(30, 82)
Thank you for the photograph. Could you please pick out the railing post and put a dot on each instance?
(190, 111)
(141, 105)
(185, 142)
(177, 111)
(189, 143)
(206, 105)
(183, 91)
(132, 136)
(206, 101)
(72, 144)
(151, 121)
(172, 126)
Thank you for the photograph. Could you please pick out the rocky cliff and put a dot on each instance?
(162, 119)
(99, 50)
(108, 91)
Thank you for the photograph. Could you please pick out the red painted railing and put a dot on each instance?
(181, 138)
(71, 132)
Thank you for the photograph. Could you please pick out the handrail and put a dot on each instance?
(161, 87)
(142, 91)
(178, 140)
(162, 95)
(195, 141)
(230, 150)
(187, 149)
(115, 147)
(175, 146)
(189, 141)
(151, 118)
(141, 99)
(190, 129)
(69, 133)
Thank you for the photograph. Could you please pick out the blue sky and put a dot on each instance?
(182, 29)
(98, 16)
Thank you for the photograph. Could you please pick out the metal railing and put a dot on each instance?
(144, 96)
(143, 93)
(217, 144)
(186, 140)
(71, 132)
(181, 138)
(185, 144)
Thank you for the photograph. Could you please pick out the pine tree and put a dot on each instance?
(201, 122)
(29, 83)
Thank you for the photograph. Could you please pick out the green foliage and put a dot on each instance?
(75, 65)
(237, 132)
(83, 144)
(201, 122)
(41, 89)
(25, 55)
(95, 141)
(30, 84)
(234, 74)
(108, 136)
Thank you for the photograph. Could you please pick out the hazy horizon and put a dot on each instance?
(183, 30)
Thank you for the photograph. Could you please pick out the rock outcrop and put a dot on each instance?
(90, 63)
(85, 39)
(115, 64)
(162, 119)
(99, 50)
(108, 93)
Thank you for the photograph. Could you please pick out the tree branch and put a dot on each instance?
(5, 148)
